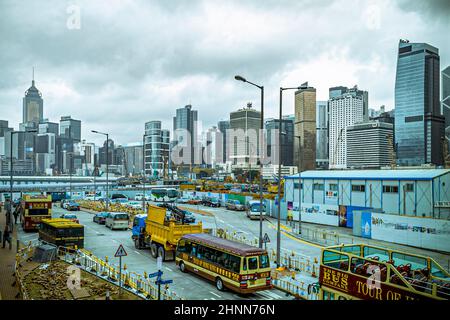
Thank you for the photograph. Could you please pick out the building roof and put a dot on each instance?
(410, 174)
(241, 249)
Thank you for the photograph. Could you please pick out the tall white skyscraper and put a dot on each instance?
(345, 109)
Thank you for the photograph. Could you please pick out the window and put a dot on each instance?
(413, 119)
(253, 263)
(390, 189)
(333, 187)
(296, 185)
(409, 187)
(263, 261)
(358, 187)
(318, 187)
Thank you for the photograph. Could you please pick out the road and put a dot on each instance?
(102, 241)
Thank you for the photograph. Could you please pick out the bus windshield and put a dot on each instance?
(172, 193)
(37, 212)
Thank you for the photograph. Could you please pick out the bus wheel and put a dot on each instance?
(161, 252)
(154, 250)
(182, 266)
(219, 284)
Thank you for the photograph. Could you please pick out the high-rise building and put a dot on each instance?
(133, 158)
(305, 129)
(46, 126)
(322, 135)
(223, 126)
(33, 105)
(157, 142)
(45, 152)
(243, 138)
(345, 110)
(103, 156)
(368, 145)
(70, 128)
(185, 131)
(419, 124)
(446, 101)
(22, 151)
(287, 140)
(4, 128)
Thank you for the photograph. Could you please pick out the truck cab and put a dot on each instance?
(138, 230)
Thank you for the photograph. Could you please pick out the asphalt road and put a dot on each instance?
(102, 241)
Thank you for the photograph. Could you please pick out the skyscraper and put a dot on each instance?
(345, 110)
(70, 128)
(419, 124)
(48, 127)
(446, 101)
(287, 140)
(156, 148)
(305, 128)
(33, 105)
(368, 145)
(243, 138)
(185, 127)
(322, 135)
(223, 126)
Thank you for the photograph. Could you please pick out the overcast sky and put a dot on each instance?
(134, 61)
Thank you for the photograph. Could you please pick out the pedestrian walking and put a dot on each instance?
(16, 214)
(7, 237)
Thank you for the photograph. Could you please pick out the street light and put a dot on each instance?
(70, 173)
(11, 162)
(299, 185)
(303, 86)
(107, 166)
(239, 78)
(143, 171)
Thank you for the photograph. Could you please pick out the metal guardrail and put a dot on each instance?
(301, 290)
(131, 281)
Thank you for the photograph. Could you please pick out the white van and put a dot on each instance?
(117, 220)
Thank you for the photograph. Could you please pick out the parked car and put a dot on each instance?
(134, 204)
(70, 216)
(210, 202)
(117, 220)
(183, 199)
(234, 205)
(100, 217)
(195, 200)
(119, 200)
(139, 196)
(72, 206)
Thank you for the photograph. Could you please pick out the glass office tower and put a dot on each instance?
(419, 123)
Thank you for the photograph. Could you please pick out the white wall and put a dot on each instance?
(317, 213)
(417, 232)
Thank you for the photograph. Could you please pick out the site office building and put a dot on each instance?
(405, 206)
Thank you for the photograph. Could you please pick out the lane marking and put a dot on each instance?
(215, 294)
(136, 252)
(167, 268)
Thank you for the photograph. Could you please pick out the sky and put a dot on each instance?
(116, 64)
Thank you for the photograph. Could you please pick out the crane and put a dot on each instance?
(336, 147)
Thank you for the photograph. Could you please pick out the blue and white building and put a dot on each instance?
(403, 200)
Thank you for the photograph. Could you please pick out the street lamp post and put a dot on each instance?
(239, 78)
(70, 173)
(143, 172)
(299, 185)
(107, 166)
(279, 170)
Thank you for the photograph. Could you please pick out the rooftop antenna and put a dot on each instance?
(32, 82)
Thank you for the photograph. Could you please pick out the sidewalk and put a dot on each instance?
(336, 235)
(7, 263)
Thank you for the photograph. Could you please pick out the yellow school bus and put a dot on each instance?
(364, 272)
(236, 266)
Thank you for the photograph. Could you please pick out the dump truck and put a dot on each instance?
(160, 231)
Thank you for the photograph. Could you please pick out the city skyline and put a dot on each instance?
(193, 65)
